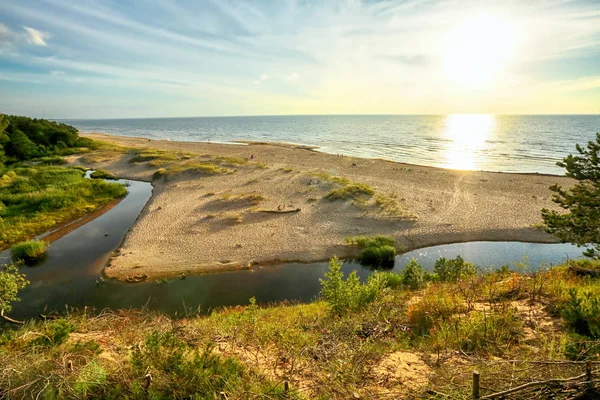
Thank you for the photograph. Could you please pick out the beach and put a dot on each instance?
(289, 203)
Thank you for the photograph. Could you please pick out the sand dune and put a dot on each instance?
(198, 223)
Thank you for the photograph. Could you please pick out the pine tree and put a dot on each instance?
(580, 225)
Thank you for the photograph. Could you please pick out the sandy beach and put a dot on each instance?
(278, 206)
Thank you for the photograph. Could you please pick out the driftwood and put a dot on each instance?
(585, 271)
(281, 211)
(9, 319)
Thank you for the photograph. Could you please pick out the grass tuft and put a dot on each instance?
(102, 174)
(350, 191)
(31, 251)
(369, 241)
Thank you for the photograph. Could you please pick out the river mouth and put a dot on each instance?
(70, 277)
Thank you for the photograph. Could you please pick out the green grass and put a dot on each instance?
(378, 257)
(35, 199)
(369, 241)
(51, 160)
(102, 174)
(30, 251)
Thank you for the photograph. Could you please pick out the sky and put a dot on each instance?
(172, 58)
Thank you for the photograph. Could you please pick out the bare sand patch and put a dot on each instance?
(189, 226)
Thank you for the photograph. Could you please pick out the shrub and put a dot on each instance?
(11, 282)
(102, 174)
(390, 280)
(186, 372)
(414, 276)
(55, 333)
(31, 251)
(383, 256)
(347, 295)
(582, 313)
(453, 269)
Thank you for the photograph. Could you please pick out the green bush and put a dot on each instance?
(24, 138)
(414, 275)
(391, 280)
(453, 269)
(582, 313)
(31, 251)
(382, 256)
(350, 294)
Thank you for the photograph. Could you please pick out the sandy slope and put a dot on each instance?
(191, 226)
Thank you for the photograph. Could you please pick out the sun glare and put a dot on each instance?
(478, 49)
(466, 136)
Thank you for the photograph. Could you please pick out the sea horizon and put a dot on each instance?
(325, 115)
(479, 142)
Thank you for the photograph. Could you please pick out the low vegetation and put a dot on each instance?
(33, 200)
(352, 343)
(363, 196)
(102, 174)
(30, 252)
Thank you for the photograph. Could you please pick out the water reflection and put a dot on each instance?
(466, 136)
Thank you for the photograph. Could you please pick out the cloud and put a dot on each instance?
(35, 37)
(263, 77)
(294, 76)
(57, 73)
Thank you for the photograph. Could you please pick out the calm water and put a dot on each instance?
(476, 142)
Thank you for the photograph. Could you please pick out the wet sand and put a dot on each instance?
(272, 209)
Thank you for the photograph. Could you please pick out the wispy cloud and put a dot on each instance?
(333, 56)
(35, 37)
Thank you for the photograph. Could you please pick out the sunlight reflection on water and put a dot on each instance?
(466, 136)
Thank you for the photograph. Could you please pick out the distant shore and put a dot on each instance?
(273, 203)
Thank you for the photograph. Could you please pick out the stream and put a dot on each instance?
(70, 276)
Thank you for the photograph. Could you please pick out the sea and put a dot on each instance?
(482, 142)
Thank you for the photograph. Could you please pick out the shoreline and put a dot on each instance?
(183, 228)
(308, 147)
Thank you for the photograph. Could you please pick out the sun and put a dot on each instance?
(478, 49)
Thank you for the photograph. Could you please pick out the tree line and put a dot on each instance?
(24, 138)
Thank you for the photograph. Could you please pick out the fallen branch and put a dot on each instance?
(9, 319)
(530, 384)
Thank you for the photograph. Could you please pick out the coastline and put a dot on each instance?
(185, 228)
